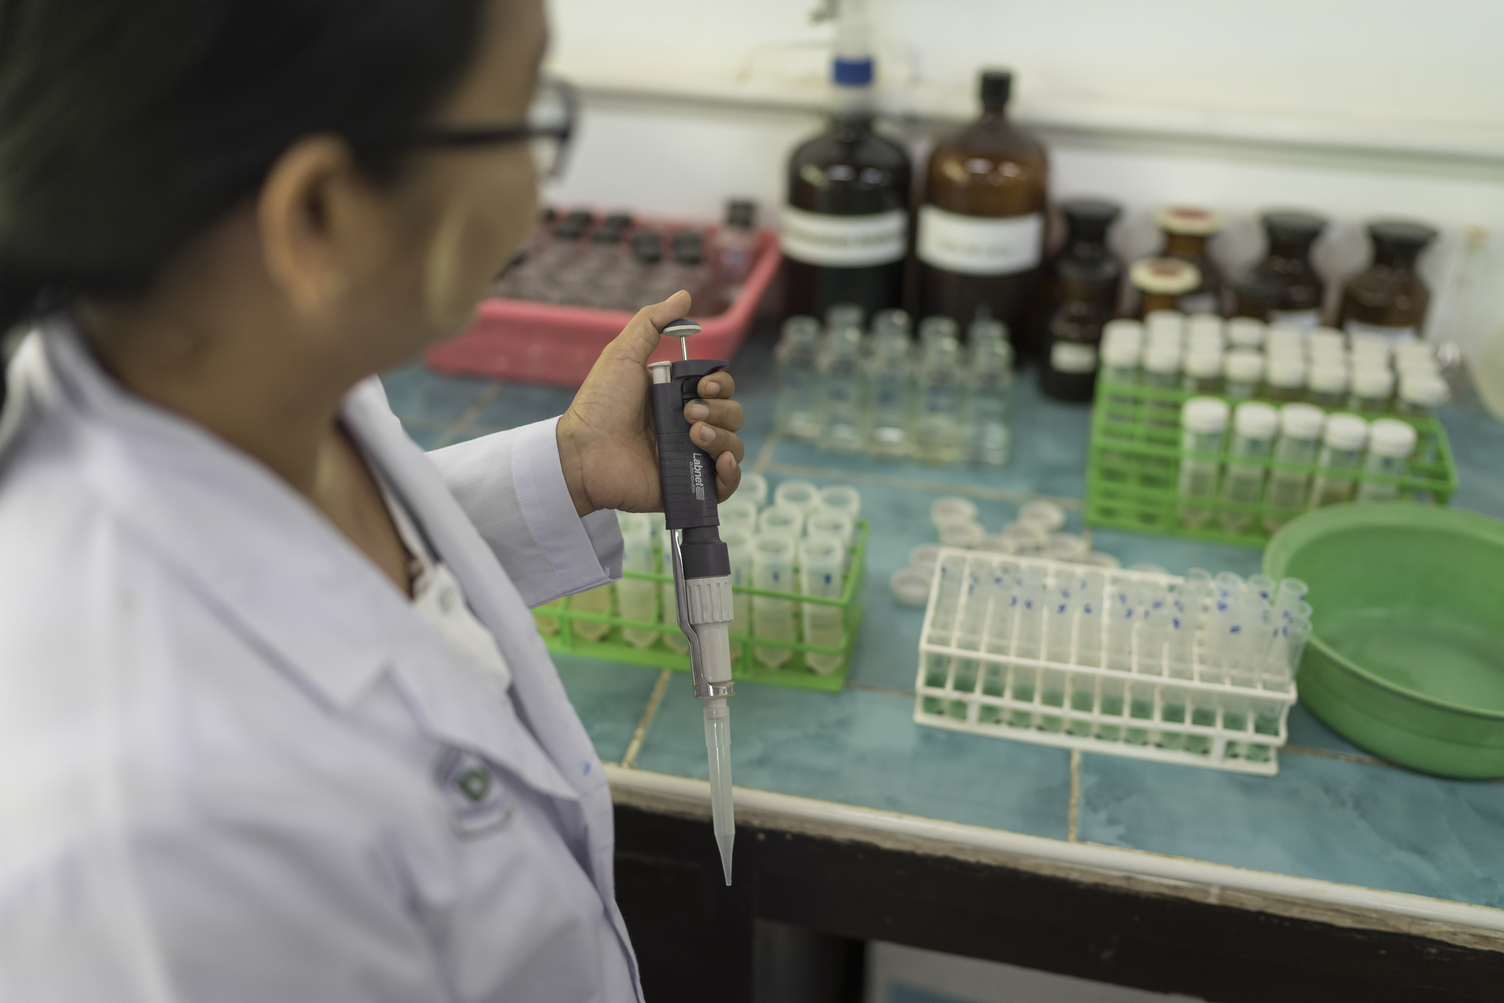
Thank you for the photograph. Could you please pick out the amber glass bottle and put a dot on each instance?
(1068, 370)
(1086, 223)
(845, 224)
(1388, 296)
(1186, 230)
(1162, 283)
(1288, 265)
(981, 224)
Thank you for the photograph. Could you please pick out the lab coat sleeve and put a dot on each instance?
(511, 484)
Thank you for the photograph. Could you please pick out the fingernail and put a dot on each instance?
(734, 464)
(697, 411)
(707, 435)
(712, 388)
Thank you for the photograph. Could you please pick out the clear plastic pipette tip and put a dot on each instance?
(718, 747)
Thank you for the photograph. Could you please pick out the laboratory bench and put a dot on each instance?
(1341, 878)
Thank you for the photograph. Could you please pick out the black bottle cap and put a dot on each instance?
(580, 218)
(647, 248)
(741, 213)
(1400, 235)
(1088, 219)
(619, 220)
(568, 230)
(607, 234)
(1284, 226)
(997, 87)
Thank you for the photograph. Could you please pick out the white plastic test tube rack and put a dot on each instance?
(990, 664)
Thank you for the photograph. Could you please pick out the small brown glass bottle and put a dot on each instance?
(1162, 283)
(981, 224)
(1388, 298)
(1069, 368)
(1186, 230)
(1288, 265)
(1086, 223)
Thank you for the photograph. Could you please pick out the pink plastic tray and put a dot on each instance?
(544, 343)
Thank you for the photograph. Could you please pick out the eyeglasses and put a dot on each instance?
(548, 129)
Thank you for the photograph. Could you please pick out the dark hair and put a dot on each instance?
(127, 126)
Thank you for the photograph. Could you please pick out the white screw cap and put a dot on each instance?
(1204, 414)
(1388, 437)
(1255, 420)
(1244, 366)
(1345, 431)
(1301, 421)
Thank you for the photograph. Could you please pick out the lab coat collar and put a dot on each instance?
(239, 534)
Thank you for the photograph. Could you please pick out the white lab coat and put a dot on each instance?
(236, 765)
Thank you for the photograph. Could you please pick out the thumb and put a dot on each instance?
(640, 338)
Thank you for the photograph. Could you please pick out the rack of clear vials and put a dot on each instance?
(1196, 670)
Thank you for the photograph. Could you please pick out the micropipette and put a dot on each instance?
(701, 563)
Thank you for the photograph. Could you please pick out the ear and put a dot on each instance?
(317, 216)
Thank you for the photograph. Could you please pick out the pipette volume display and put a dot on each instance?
(701, 564)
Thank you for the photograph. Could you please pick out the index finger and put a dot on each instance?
(717, 385)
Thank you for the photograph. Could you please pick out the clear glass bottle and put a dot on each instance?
(844, 226)
(841, 390)
(1161, 282)
(937, 423)
(987, 439)
(1186, 230)
(1287, 264)
(981, 223)
(1388, 297)
(1253, 424)
(887, 406)
(1341, 454)
(796, 363)
(1390, 443)
(1068, 370)
(1300, 428)
(1203, 422)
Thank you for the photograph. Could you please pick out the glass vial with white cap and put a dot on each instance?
(1286, 378)
(1390, 443)
(1242, 371)
(1203, 371)
(822, 559)
(1341, 455)
(636, 598)
(1204, 426)
(773, 619)
(987, 438)
(1371, 389)
(1299, 437)
(1253, 426)
(841, 389)
(1326, 384)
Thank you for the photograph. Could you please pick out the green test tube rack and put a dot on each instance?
(557, 622)
(1133, 467)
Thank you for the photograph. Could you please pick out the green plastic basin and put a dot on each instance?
(1406, 657)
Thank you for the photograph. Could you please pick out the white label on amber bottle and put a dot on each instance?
(979, 245)
(1070, 357)
(1393, 333)
(844, 241)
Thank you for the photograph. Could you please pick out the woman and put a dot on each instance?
(275, 723)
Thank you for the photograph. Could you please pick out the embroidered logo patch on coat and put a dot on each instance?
(479, 802)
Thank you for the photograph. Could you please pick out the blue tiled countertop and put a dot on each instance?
(1333, 814)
